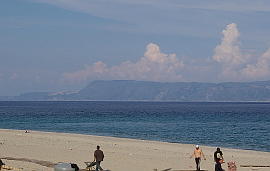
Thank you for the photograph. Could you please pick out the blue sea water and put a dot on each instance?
(234, 125)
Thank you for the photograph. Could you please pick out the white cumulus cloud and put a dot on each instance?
(235, 65)
(153, 66)
(228, 63)
(228, 52)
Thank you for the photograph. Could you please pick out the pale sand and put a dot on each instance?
(121, 154)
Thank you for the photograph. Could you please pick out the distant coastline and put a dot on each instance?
(130, 90)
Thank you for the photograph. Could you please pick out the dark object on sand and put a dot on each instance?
(1, 164)
(253, 166)
(66, 167)
(75, 166)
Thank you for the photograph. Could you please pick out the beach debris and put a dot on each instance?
(40, 162)
(254, 166)
(167, 169)
(10, 168)
(4, 166)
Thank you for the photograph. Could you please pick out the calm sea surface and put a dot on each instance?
(235, 125)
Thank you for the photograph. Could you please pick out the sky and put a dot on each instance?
(63, 45)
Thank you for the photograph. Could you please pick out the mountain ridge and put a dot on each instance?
(132, 90)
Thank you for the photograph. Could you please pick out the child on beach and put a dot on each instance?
(231, 166)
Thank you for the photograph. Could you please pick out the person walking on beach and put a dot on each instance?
(218, 155)
(198, 154)
(99, 156)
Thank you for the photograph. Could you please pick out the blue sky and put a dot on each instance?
(55, 45)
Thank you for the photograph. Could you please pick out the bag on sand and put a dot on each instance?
(75, 166)
(1, 163)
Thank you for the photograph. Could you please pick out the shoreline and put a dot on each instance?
(136, 139)
(120, 153)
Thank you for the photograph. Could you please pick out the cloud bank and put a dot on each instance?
(229, 63)
(153, 66)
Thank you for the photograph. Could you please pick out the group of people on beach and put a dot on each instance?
(197, 154)
(218, 158)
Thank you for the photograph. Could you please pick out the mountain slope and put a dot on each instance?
(158, 91)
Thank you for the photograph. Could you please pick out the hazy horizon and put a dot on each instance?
(104, 89)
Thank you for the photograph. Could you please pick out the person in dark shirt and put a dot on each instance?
(218, 155)
(99, 156)
(218, 166)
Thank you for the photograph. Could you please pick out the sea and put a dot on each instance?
(231, 125)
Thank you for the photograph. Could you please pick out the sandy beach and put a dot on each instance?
(121, 154)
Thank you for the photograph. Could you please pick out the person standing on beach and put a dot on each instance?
(218, 155)
(198, 154)
(99, 156)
